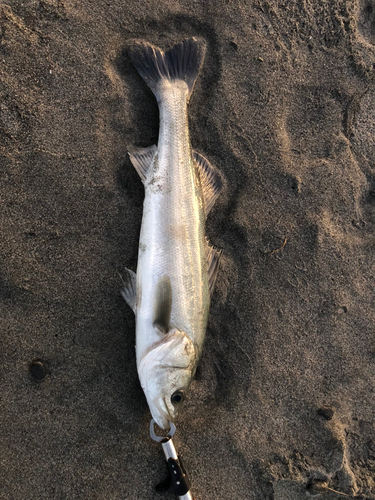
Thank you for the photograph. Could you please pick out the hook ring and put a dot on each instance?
(161, 439)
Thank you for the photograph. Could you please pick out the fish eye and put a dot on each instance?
(178, 396)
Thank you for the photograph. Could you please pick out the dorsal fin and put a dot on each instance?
(129, 290)
(210, 181)
(143, 159)
(213, 257)
(163, 304)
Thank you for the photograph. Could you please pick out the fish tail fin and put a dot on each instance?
(181, 62)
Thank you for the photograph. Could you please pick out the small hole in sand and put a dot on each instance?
(294, 184)
(326, 412)
(38, 369)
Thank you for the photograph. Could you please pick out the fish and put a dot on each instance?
(177, 267)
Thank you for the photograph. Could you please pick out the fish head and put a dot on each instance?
(165, 373)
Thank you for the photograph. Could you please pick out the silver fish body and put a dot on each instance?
(170, 294)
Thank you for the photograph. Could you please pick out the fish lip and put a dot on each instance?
(160, 413)
(172, 418)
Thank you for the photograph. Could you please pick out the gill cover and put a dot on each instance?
(175, 350)
(166, 368)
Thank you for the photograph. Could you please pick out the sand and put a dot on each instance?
(284, 399)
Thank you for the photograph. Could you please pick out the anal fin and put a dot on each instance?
(213, 257)
(143, 159)
(129, 290)
(210, 181)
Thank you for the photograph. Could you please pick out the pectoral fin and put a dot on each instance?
(210, 181)
(213, 258)
(143, 159)
(129, 290)
(163, 304)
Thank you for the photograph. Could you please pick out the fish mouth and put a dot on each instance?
(161, 414)
(172, 415)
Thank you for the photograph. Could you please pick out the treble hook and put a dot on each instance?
(178, 482)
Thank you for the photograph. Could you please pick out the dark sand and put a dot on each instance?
(285, 109)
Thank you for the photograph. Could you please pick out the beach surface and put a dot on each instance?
(283, 402)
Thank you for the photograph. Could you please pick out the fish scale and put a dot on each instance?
(176, 270)
(173, 226)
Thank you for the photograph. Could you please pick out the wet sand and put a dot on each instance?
(284, 399)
